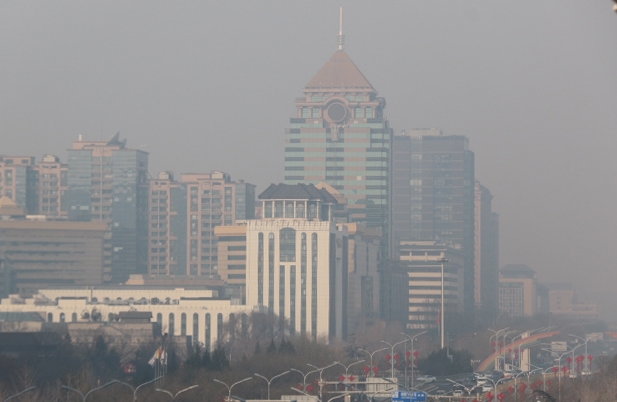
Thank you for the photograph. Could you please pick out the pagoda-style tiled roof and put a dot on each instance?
(298, 191)
(339, 74)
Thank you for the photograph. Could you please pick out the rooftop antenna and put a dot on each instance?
(341, 37)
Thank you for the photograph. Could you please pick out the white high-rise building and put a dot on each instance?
(297, 261)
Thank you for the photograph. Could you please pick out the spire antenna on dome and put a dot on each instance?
(341, 37)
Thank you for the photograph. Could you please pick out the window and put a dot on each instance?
(171, 324)
(195, 328)
(278, 209)
(300, 210)
(289, 209)
(287, 246)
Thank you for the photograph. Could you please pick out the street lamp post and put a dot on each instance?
(392, 354)
(371, 355)
(586, 367)
(271, 379)
(505, 334)
(229, 387)
(19, 393)
(495, 383)
(174, 396)
(496, 336)
(320, 379)
(412, 338)
(134, 390)
(442, 313)
(348, 366)
(84, 396)
(305, 393)
(304, 376)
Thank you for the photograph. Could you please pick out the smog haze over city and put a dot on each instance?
(205, 85)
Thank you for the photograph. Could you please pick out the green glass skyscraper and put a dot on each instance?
(340, 136)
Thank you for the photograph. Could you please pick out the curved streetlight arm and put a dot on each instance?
(165, 391)
(372, 353)
(348, 366)
(141, 385)
(135, 389)
(304, 393)
(18, 394)
(271, 379)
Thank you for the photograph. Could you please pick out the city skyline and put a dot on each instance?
(509, 90)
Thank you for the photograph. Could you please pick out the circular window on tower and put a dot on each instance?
(337, 112)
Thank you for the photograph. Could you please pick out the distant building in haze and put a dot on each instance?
(340, 136)
(297, 261)
(52, 187)
(433, 194)
(108, 183)
(486, 253)
(167, 226)
(422, 261)
(37, 253)
(518, 292)
(19, 181)
(183, 216)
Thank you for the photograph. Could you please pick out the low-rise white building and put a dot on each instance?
(197, 313)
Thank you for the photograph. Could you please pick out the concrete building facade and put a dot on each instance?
(422, 261)
(518, 292)
(38, 253)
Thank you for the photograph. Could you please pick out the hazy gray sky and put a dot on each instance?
(205, 85)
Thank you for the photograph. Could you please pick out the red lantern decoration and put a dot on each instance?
(366, 369)
(489, 396)
(501, 396)
(511, 389)
(351, 378)
(342, 378)
(397, 356)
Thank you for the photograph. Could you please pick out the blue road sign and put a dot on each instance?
(402, 396)
(418, 397)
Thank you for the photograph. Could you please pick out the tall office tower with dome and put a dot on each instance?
(340, 136)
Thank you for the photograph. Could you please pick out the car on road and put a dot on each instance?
(487, 387)
(426, 378)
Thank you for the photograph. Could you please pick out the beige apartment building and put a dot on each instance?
(52, 187)
(182, 218)
(518, 291)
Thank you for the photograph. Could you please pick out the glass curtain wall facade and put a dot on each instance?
(340, 136)
(109, 183)
(433, 194)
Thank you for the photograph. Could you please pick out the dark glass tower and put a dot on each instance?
(433, 194)
(108, 182)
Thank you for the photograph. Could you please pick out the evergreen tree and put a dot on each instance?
(272, 348)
